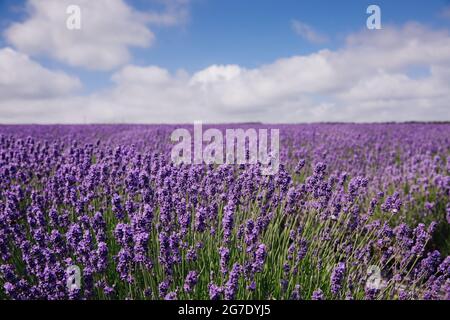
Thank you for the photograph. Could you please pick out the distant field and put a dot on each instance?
(356, 211)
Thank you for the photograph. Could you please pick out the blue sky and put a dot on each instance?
(248, 34)
(253, 32)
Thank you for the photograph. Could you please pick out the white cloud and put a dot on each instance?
(385, 86)
(23, 78)
(368, 79)
(108, 29)
(307, 32)
(216, 73)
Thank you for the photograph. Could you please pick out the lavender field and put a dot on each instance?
(348, 201)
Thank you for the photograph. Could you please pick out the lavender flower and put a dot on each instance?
(317, 295)
(191, 281)
(231, 285)
(337, 277)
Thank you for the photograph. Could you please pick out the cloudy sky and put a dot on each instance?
(168, 61)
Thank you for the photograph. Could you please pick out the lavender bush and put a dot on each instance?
(347, 198)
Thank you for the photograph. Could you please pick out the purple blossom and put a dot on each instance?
(224, 253)
(337, 277)
(231, 286)
(191, 281)
(215, 291)
(317, 295)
